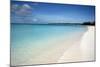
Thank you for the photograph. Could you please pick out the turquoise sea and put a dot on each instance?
(28, 41)
(23, 34)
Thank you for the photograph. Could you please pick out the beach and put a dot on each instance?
(56, 45)
(83, 51)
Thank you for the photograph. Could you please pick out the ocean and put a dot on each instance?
(29, 42)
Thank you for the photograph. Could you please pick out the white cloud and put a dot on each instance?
(26, 6)
(35, 19)
(21, 13)
(24, 9)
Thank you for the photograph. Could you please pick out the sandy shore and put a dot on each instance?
(79, 47)
(83, 51)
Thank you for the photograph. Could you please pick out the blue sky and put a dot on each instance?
(37, 12)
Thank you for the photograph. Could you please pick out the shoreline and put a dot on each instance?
(58, 50)
(82, 51)
(88, 44)
(54, 24)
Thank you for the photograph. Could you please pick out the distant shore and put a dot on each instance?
(86, 24)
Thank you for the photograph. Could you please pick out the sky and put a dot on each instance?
(39, 12)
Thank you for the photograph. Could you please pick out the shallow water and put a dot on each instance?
(26, 33)
(27, 41)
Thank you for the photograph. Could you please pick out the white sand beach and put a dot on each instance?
(83, 51)
(79, 47)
